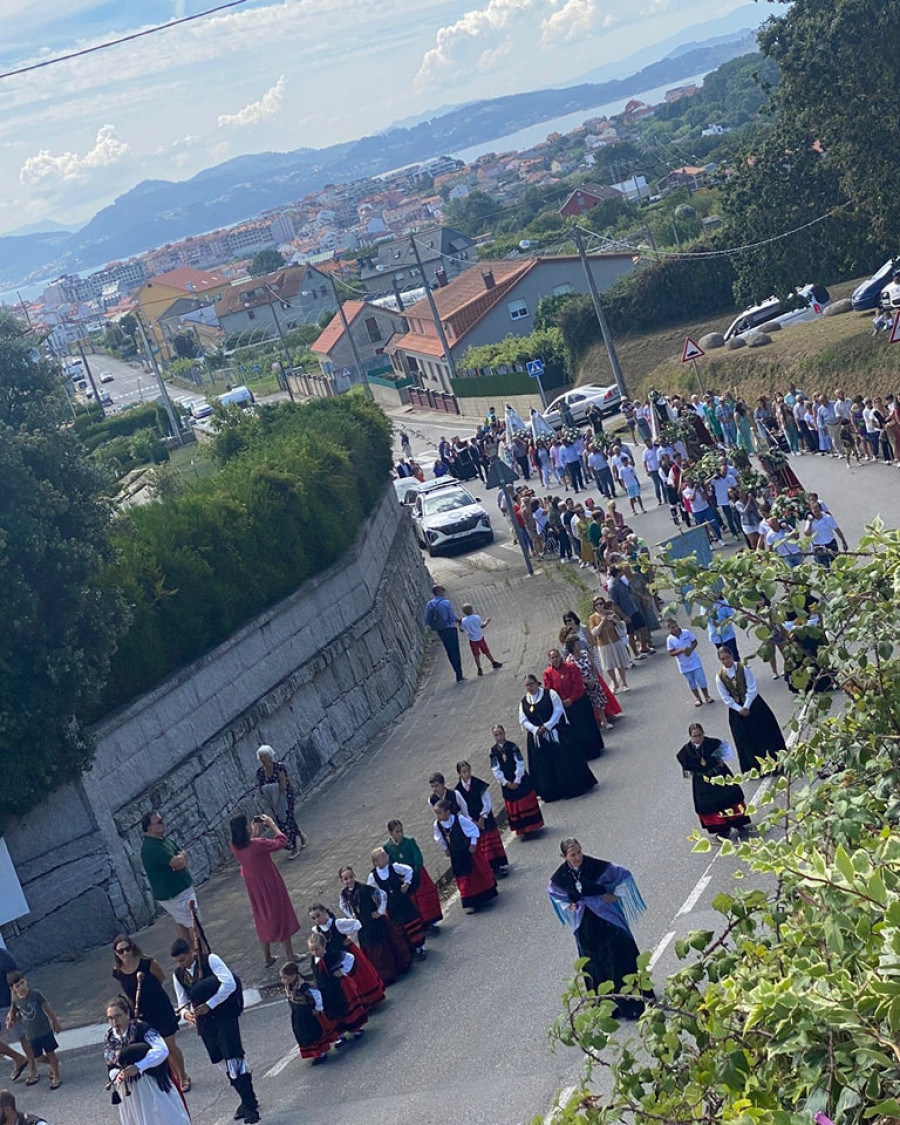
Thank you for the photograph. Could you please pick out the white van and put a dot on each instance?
(238, 396)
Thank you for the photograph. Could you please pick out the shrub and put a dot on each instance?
(296, 483)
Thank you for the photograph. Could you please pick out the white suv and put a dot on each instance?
(449, 515)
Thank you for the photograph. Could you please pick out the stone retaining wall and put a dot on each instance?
(317, 677)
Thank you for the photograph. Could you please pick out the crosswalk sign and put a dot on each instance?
(691, 351)
(535, 368)
(895, 330)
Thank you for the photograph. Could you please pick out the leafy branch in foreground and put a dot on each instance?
(792, 1006)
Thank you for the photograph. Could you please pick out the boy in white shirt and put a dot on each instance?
(473, 625)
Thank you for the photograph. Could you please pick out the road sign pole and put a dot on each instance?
(540, 383)
(517, 527)
(697, 376)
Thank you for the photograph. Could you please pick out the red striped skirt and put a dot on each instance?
(490, 847)
(479, 886)
(425, 896)
(715, 821)
(365, 977)
(311, 1048)
(414, 932)
(524, 814)
(356, 1014)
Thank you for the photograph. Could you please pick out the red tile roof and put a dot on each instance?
(467, 298)
(335, 327)
(415, 342)
(189, 280)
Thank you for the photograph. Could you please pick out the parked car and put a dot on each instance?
(106, 377)
(804, 304)
(867, 294)
(201, 409)
(580, 399)
(890, 295)
(237, 396)
(106, 398)
(444, 516)
(408, 488)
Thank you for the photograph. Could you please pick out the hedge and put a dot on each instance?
(296, 484)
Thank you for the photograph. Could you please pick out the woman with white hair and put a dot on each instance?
(274, 784)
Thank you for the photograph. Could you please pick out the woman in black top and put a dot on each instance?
(155, 1007)
(379, 938)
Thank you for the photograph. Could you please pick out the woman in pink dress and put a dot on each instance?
(273, 911)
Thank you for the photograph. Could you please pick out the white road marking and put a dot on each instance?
(562, 1099)
(694, 897)
(274, 1071)
(661, 946)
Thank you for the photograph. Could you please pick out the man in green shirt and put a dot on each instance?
(168, 874)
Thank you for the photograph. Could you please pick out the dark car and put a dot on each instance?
(867, 294)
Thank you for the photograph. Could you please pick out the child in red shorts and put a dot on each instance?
(473, 625)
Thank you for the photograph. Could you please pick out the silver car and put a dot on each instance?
(580, 400)
(449, 515)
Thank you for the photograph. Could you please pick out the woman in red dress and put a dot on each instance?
(273, 911)
(458, 836)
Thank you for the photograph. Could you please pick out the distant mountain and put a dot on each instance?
(45, 226)
(158, 211)
(737, 25)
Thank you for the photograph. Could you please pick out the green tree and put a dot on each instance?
(60, 623)
(790, 1005)
(838, 64)
(266, 261)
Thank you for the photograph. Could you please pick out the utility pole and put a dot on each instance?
(284, 343)
(90, 375)
(601, 317)
(167, 402)
(434, 313)
(357, 359)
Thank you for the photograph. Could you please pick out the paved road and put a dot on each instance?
(466, 1033)
(131, 384)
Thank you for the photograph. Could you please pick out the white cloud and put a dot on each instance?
(574, 20)
(473, 42)
(255, 112)
(68, 166)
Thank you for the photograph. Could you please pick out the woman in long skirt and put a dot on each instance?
(577, 654)
(336, 932)
(720, 808)
(457, 836)
(312, 1029)
(404, 849)
(572, 624)
(340, 1000)
(137, 1059)
(609, 631)
(754, 728)
(480, 810)
(395, 880)
(508, 766)
(557, 766)
(600, 901)
(270, 902)
(379, 938)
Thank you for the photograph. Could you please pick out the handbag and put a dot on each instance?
(274, 800)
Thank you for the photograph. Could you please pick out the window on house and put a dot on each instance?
(373, 330)
(562, 290)
(518, 310)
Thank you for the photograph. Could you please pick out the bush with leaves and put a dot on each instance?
(791, 1005)
(294, 486)
(59, 623)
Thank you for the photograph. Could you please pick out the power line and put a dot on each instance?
(123, 39)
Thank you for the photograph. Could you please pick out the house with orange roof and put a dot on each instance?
(159, 293)
(371, 327)
(487, 303)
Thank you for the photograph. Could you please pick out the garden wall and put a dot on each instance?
(317, 677)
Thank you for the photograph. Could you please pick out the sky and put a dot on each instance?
(270, 75)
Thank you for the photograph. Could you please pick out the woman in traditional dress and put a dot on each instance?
(156, 1008)
(600, 901)
(273, 911)
(404, 849)
(274, 784)
(477, 796)
(457, 836)
(557, 766)
(312, 1029)
(138, 1063)
(379, 938)
(508, 766)
(336, 932)
(754, 728)
(720, 808)
(340, 1000)
(395, 880)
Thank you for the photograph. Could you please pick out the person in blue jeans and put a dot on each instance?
(442, 617)
(701, 509)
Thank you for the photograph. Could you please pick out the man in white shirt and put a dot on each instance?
(824, 531)
(782, 542)
(599, 466)
(650, 457)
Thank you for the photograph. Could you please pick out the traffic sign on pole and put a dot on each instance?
(895, 330)
(691, 351)
(535, 368)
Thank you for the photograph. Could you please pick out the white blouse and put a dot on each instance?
(752, 689)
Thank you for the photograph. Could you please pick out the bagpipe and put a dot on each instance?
(205, 984)
(128, 1055)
